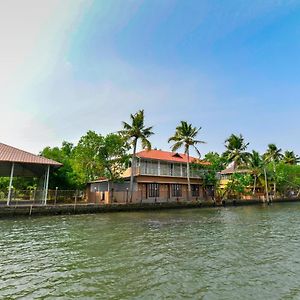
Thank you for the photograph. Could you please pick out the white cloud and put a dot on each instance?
(32, 34)
(24, 130)
(71, 106)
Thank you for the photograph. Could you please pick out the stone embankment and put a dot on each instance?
(65, 209)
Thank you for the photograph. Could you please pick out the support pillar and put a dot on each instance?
(10, 182)
(46, 184)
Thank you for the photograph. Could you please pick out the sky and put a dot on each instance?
(70, 66)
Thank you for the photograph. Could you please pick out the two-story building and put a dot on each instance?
(225, 177)
(159, 176)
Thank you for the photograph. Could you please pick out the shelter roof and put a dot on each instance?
(100, 179)
(12, 154)
(233, 169)
(169, 156)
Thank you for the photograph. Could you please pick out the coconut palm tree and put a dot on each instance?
(255, 164)
(290, 158)
(273, 155)
(236, 150)
(185, 136)
(134, 132)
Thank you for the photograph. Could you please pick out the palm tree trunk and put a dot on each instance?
(188, 173)
(275, 187)
(254, 186)
(266, 185)
(132, 169)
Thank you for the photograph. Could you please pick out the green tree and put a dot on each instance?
(133, 132)
(86, 160)
(273, 155)
(290, 158)
(236, 150)
(288, 178)
(185, 136)
(64, 177)
(217, 163)
(238, 185)
(255, 164)
(113, 155)
(94, 156)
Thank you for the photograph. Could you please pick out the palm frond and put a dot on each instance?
(146, 144)
(176, 146)
(184, 136)
(197, 151)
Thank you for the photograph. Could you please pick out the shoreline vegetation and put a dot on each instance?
(273, 174)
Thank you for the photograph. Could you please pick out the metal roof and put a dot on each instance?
(12, 154)
(232, 169)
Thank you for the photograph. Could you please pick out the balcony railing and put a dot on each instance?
(169, 173)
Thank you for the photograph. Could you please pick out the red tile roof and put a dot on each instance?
(169, 156)
(12, 154)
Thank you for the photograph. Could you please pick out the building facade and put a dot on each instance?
(158, 176)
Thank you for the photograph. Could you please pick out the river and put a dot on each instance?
(250, 252)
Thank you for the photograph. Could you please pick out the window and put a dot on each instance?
(164, 169)
(171, 169)
(195, 190)
(153, 190)
(176, 190)
(184, 172)
(176, 170)
(152, 167)
(143, 167)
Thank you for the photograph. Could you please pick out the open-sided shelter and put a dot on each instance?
(18, 163)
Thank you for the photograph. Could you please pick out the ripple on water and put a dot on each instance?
(232, 253)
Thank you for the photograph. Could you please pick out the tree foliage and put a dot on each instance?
(94, 156)
(86, 161)
(133, 132)
(290, 158)
(273, 154)
(288, 177)
(217, 163)
(136, 130)
(186, 136)
(113, 155)
(239, 185)
(282, 170)
(64, 177)
(236, 150)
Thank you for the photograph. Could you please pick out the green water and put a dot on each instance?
(233, 253)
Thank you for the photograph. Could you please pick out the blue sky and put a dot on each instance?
(228, 66)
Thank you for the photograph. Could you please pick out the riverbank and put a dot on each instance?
(67, 209)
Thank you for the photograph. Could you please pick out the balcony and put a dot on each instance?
(165, 170)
